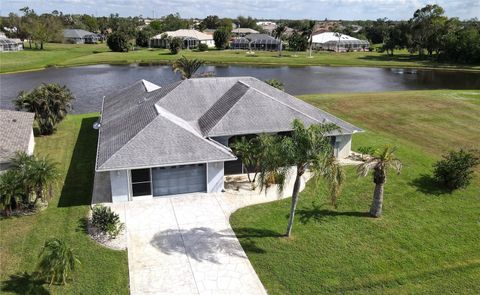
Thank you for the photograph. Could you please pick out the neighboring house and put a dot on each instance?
(78, 36)
(191, 38)
(242, 32)
(16, 135)
(7, 44)
(338, 42)
(256, 42)
(174, 139)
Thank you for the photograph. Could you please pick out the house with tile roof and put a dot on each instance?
(174, 139)
(16, 135)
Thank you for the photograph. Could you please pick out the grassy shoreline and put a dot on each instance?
(70, 55)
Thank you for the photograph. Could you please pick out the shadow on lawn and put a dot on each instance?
(24, 283)
(426, 184)
(317, 214)
(78, 185)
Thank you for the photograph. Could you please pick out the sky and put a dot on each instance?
(265, 9)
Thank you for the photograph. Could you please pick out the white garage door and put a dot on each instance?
(179, 180)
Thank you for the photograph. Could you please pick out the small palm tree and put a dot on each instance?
(57, 261)
(49, 102)
(380, 162)
(187, 67)
(248, 150)
(43, 173)
(11, 190)
(307, 147)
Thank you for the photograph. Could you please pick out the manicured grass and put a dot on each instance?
(102, 271)
(86, 54)
(427, 241)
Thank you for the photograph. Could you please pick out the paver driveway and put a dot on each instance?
(185, 245)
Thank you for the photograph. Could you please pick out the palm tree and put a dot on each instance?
(308, 31)
(11, 190)
(49, 102)
(278, 34)
(248, 150)
(380, 162)
(57, 261)
(307, 147)
(187, 67)
(43, 174)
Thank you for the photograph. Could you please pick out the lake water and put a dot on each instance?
(90, 83)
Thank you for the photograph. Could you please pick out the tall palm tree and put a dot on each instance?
(308, 31)
(307, 147)
(187, 67)
(57, 261)
(278, 34)
(380, 162)
(49, 102)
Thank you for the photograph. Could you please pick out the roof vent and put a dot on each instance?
(149, 86)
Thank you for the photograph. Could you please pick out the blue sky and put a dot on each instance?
(291, 9)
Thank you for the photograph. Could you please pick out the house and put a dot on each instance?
(241, 32)
(256, 42)
(191, 38)
(338, 42)
(78, 36)
(7, 44)
(16, 135)
(174, 139)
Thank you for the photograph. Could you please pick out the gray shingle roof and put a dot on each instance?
(172, 125)
(15, 132)
(76, 33)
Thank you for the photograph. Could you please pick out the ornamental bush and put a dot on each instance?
(202, 47)
(106, 221)
(455, 170)
(118, 42)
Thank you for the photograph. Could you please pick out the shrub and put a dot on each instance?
(366, 150)
(57, 261)
(275, 83)
(202, 47)
(455, 170)
(106, 221)
(175, 45)
(118, 42)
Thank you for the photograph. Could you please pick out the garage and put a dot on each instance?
(179, 179)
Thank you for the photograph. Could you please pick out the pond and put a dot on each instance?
(90, 83)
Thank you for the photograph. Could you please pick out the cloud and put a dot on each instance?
(313, 9)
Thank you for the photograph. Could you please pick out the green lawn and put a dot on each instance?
(102, 271)
(427, 241)
(86, 54)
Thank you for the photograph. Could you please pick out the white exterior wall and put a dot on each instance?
(215, 175)
(120, 185)
(343, 145)
(210, 43)
(31, 144)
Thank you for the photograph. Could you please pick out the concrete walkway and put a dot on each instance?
(185, 245)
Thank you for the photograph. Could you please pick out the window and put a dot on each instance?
(141, 182)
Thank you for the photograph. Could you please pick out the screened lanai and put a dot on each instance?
(256, 42)
(7, 44)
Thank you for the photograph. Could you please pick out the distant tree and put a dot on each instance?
(210, 22)
(221, 38)
(175, 45)
(187, 67)
(297, 42)
(156, 25)
(173, 22)
(50, 103)
(143, 37)
(278, 33)
(118, 42)
(380, 162)
(247, 22)
(275, 83)
(376, 31)
(57, 261)
(90, 23)
(427, 24)
(307, 32)
(456, 169)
